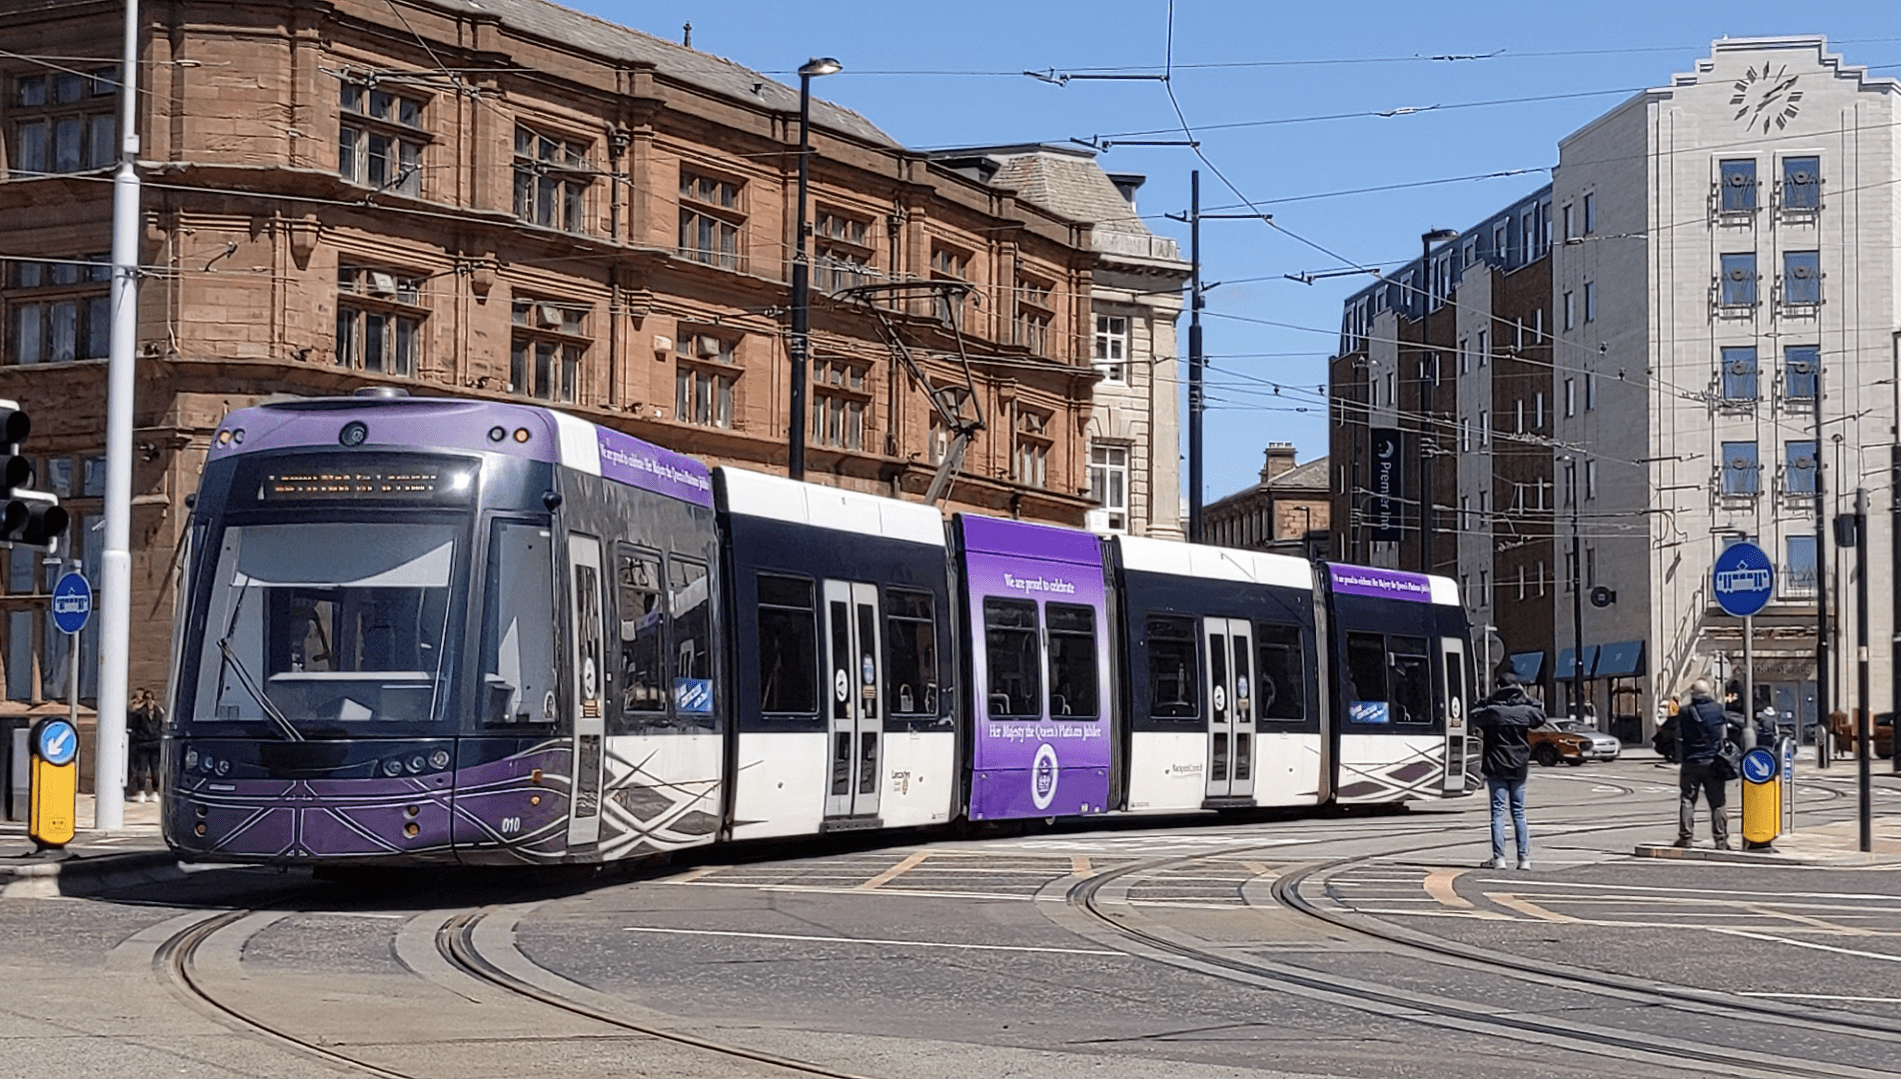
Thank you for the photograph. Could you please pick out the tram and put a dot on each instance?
(433, 630)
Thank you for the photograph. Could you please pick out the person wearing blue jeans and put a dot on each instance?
(1505, 721)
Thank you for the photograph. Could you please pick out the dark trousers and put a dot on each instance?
(142, 770)
(1692, 778)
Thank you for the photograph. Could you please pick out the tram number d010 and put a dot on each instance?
(511, 825)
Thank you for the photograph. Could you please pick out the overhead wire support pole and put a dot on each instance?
(115, 562)
(1824, 729)
(1195, 401)
(801, 343)
(1864, 720)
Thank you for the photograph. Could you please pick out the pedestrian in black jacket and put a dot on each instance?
(1701, 731)
(145, 725)
(1505, 721)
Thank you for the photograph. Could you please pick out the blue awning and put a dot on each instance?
(1563, 671)
(1526, 666)
(1625, 659)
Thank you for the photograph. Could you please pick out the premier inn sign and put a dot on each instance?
(1388, 484)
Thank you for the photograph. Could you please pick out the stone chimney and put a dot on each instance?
(1280, 461)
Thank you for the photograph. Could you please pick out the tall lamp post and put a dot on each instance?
(1577, 593)
(801, 343)
(1426, 387)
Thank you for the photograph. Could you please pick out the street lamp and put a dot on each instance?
(1577, 592)
(801, 341)
(1426, 388)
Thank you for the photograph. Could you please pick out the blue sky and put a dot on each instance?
(937, 75)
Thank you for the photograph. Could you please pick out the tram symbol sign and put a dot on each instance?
(1743, 579)
(1759, 765)
(72, 602)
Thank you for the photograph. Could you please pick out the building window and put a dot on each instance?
(1570, 221)
(1109, 482)
(1538, 411)
(551, 180)
(1112, 347)
(840, 399)
(379, 321)
(1801, 183)
(1590, 390)
(1801, 365)
(1590, 301)
(1798, 468)
(704, 374)
(1031, 325)
(1483, 353)
(842, 251)
(1590, 222)
(1570, 311)
(1590, 479)
(1738, 180)
(1739, 280)
(1801, 278)
(1739, 374)
(65, 121)
(1741, 472)
(710, 219)
(1798, 571)
(59, 311)
(1570, 397)
(1029, 463)
(380, 139)
(544, 357)
(1485, 428)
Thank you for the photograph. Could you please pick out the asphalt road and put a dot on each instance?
(1318, 945)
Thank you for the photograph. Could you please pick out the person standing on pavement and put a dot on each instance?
(1701, 731)
(145, 723)
(1505, 721)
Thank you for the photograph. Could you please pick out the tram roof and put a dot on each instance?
(1144, 555)
(455, 424)
(755, 494)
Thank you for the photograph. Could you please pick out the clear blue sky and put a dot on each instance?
(936, 75)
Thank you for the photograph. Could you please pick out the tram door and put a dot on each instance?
(588, 672)
(1230, 707)
(1452, 654)
(857, 685)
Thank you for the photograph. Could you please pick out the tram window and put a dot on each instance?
(1011, 655)
(1411, 680)
(1072, 660)
(911, 644)
(788, 646)
(643, 626)
(1366, 667)
(692, 627)
(518, 674)
(1282, 674)
(1174, 684)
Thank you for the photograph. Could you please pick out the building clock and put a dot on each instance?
(1764, 100)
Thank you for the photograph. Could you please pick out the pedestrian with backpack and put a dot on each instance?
(1702, 731)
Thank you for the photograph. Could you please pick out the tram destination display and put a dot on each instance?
(357, 479)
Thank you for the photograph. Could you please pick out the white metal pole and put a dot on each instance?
(115, 563)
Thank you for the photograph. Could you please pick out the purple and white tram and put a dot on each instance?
(433, 630)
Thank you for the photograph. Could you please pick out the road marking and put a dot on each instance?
(1439, 887)
(816, 889)
(1523, 883)
(910, 862)
(1825, 996)
(1078, 865)
(1523, 906)
(1808, 944)
(880, 943)
(1768, 911)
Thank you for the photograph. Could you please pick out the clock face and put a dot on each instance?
(1766, 100)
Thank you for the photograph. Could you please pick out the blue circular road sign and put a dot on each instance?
(1759, 765)
(1743, 579)
(56, 741)
(72, 602)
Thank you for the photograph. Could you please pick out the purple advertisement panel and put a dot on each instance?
(650, 468)
(1041, 690)
(1380, 583)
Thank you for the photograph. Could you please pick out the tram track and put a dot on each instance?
(1510, 1023)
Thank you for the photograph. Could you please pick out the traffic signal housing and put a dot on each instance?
(29, 517)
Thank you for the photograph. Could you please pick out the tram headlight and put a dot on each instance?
(417, 764)
(392, 767)
(191, 759)
(439, 759)
(497, 434)
(224, 768)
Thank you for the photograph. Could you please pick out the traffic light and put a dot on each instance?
(29, 517)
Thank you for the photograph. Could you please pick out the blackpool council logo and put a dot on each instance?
(1043, 776)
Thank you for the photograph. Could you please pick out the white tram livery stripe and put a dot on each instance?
(580, 444)
(1144, 555)
(754, 494)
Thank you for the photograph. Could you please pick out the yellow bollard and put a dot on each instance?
(54, 799)
(1762, 798)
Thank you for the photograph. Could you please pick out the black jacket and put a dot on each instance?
(1701, 731)
(1506, 719)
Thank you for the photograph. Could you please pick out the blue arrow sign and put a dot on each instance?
(1759, 765)
(58, 742)
(72, 602)
(1743, 579)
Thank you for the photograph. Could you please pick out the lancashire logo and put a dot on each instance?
(1043, 776)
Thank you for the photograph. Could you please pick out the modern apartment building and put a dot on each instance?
(502, 199)
(1724, 337)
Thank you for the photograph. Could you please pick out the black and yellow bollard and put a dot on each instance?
(1762, 799)
(54, 782)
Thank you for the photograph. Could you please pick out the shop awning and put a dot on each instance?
(1625, 659)
(1563, 671)
(1526, 666)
